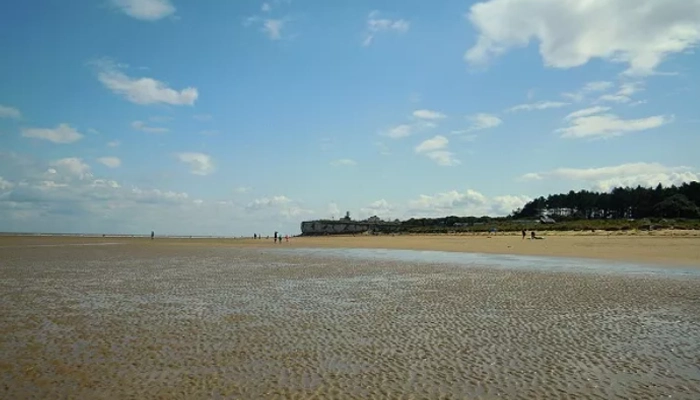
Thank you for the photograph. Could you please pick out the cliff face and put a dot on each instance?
(342, 227)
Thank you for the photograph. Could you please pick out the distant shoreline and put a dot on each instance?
(546, 232)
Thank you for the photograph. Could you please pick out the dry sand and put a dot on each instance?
(665, 247)
(153, 320)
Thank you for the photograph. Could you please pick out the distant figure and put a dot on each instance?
(286, 238)
(275, 236)
(153, 234)
(532, 235)
(524, 233)
(255, 236)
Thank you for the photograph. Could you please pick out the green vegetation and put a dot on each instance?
(621, 203)
(621, 209)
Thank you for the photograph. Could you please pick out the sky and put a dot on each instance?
(242, 117)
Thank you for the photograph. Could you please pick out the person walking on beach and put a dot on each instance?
(524, 234)
(153, 234)
(275, 236)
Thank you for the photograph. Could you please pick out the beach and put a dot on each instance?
(198, 319)
(661, 247)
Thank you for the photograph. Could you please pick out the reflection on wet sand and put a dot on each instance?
(197, 322)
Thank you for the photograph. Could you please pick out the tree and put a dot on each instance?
(677, 206)
(620, 202)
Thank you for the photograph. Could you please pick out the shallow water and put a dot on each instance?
(149, 321)
(501, 261)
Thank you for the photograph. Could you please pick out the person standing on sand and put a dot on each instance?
(153, 234)
(275, 236)
(524, 234)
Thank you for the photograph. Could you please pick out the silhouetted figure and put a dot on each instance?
(524, 233)
(153, 234)
(532, 235)
(255, 236)
(275, 236)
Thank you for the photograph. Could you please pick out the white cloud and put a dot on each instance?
(376, 25)
(199, 163)
(624, 94)
(483, 121)
(541, 105)
(274, 201)
(417, 125)
(437, 143)
(400, 131)
(465, 203)
(71, 167)
(569, 31)
(428, 114)
(608, 125)
(242, 189)
(265, 7)
(436, 150)
(35, 196)
(504, 205)
(631, 174)
(532, 176)
(114, 143)
(283, 205)
(5, 184)
(443, 158)
(586, 112)
(111, 162)
(141, 126)
(142, 90)
(381, 208)
(587, 89)
(272, 27)
(9, 112)
(148, 10)
(63, 134)
(343, 162)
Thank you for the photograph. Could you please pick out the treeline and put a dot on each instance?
(618, 210)
(620, 203)
(621, 209)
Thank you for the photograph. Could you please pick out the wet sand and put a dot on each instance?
(210, 321)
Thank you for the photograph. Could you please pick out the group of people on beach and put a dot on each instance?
(277, 237)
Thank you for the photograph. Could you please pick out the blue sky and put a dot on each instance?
(235, 117)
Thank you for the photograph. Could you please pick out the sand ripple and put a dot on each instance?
(150, 322)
